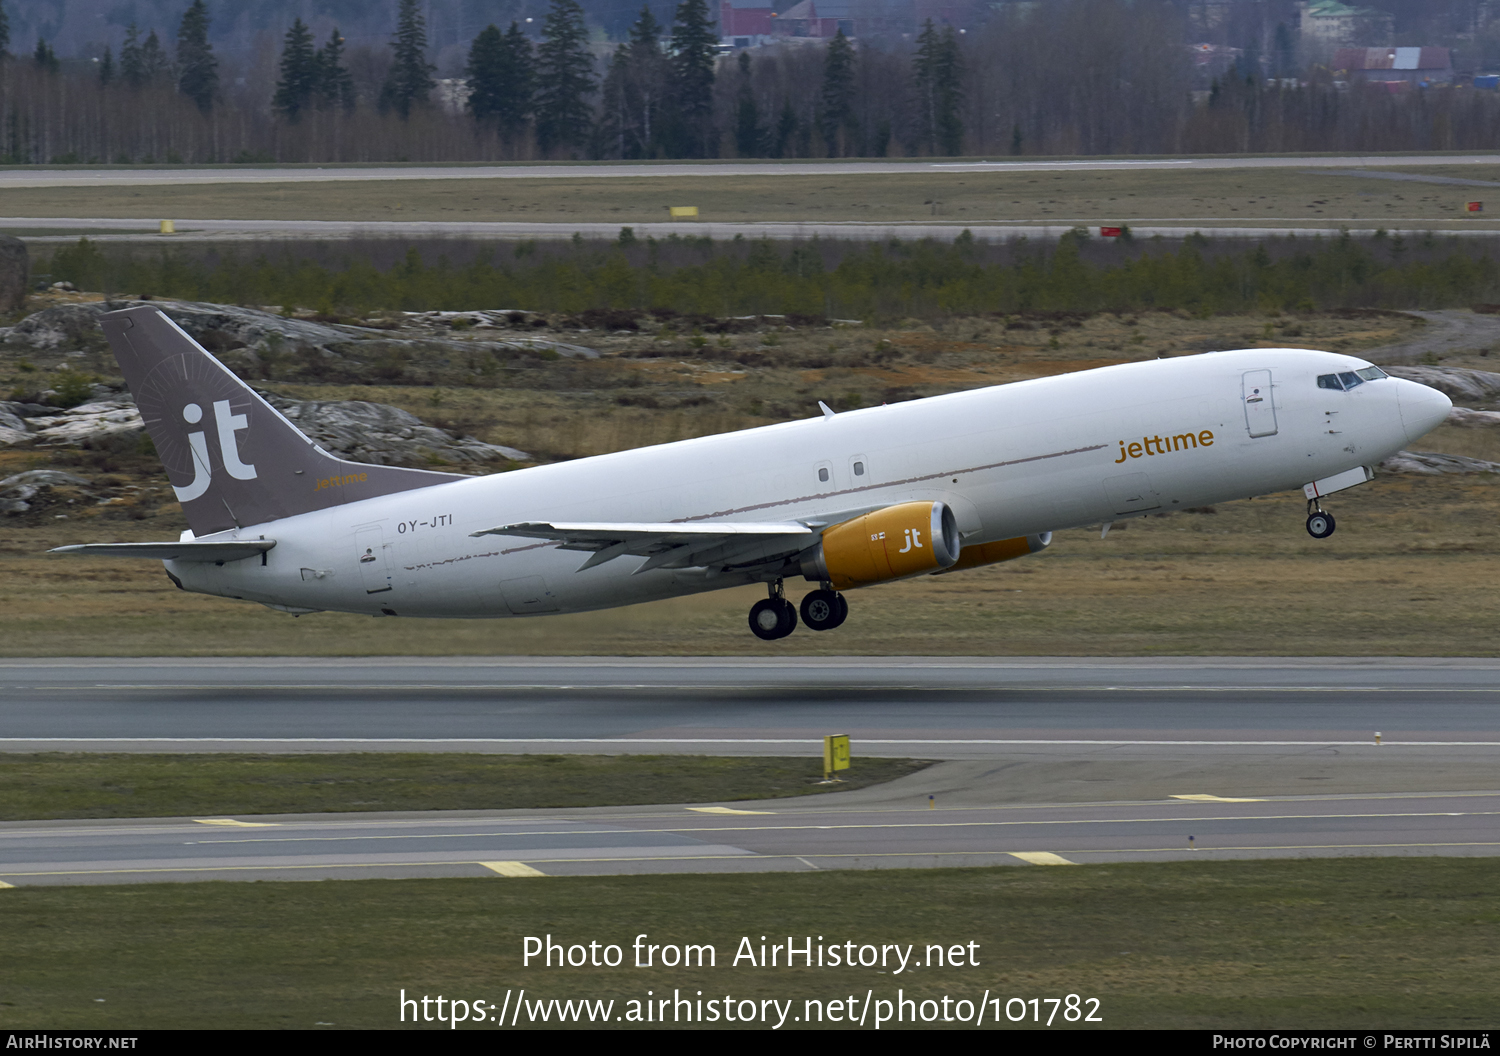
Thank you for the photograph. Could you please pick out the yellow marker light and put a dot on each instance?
(168, 227)
(683, 212)
(835, 754)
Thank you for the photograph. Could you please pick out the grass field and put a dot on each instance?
(1410, 572)
(1277, 197)
(83, 785)
(1352, 943)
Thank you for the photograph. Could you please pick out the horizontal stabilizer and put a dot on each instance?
(211, 550)
(670, 544)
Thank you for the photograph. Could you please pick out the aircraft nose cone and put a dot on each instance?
(1423, 408)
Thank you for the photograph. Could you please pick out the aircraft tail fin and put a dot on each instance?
(232, 458)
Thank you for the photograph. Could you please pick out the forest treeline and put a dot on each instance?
(1091, 77)
(819, 278)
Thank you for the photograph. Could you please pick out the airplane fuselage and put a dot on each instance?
(1011, 460)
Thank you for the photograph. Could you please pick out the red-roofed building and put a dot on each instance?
(746, 18)
(1413, 65)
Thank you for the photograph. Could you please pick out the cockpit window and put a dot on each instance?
(1348, 379)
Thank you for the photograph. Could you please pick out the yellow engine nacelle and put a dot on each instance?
(1000, 550)
(906, 540)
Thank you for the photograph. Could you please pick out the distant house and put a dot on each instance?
(1410, 65)
(817, 18)
(742, 22)
(1332, 24)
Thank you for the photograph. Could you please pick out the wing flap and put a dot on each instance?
(195, 550)
(669, 544)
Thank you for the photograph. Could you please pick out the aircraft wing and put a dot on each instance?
(210, 550)
(672, 544)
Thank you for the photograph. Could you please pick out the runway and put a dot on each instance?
(942, 706)
(774, 836)
(129, 177)
(1082, 759)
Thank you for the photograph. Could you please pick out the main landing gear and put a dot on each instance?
(1320, 524)
(776, 617)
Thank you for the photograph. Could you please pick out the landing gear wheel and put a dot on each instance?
(1320, 525)
(823, 610)
(773, 618)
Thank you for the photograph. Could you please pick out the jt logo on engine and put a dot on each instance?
(913, 540)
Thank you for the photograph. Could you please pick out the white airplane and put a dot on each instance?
(842, 500)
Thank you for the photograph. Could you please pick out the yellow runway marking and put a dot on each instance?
(1041, 858)
(231, 823)
(4, 885)
(1204, 797)
(512, 869)
(728, 810)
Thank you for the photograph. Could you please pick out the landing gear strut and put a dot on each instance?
(775, 617)
(824, 609)
(1320, 524)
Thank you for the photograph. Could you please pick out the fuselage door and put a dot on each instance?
(1260, 410)
(374, 560)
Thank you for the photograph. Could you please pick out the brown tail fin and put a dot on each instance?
(232, 458)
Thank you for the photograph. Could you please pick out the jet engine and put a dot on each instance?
(1000, 550)
(898, 541)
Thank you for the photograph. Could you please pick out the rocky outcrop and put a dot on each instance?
(263, 338)
(1459, 384)
(361, 432)
(383, 435)
(1431, 464)
(88, 424)
(1471, 419)
(16, 492)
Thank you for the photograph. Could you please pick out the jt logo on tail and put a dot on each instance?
(229, 450)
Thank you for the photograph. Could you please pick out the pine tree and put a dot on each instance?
(106, 68)
(335, 85)
(937, 72)
(491, 76)
(786, 130)
(299, 73)
(197, 69)
(565, 79)
(634, 91)
(132, 64)
(691, 132)
(838, 92)
(45, 58)
(749, 137)
(410, 80)
(154, 62)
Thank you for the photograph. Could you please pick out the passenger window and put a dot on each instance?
(1329, 381)
(823, 475)
(859, 469)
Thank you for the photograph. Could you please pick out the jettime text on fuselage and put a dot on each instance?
(1165, 445)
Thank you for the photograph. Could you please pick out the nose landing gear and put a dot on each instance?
(1320, 524)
